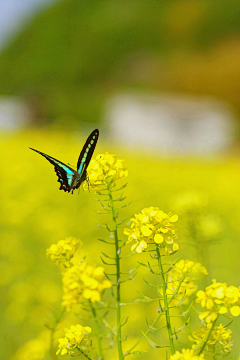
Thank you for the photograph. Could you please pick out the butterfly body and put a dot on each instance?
(69, 178)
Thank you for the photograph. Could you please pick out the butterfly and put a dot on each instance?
(69, 178)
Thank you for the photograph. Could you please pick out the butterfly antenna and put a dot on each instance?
(71, 165)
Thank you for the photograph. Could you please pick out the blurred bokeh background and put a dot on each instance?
(161, 80)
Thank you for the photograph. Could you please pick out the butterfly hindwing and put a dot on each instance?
(87, 152)
(64, 179)
(63, 171)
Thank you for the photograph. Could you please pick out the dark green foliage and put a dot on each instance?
(73, 54)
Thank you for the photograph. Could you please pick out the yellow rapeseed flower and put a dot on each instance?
(83, 281)
(186, 354)
(192, 273)
(105, 167)
(75, 338)
(219, 336)
(218, 298)
(152, 226)
(64, 250)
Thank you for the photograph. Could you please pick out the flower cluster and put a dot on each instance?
(187, 265)
(152, 226)
(64, 250)
(85, 281)
(34, 349)
(183, 276)
(105, 166)
(186, 354)
(220, 337)
(218, 298)
(190, 203)
(196, 218)
(77, 337)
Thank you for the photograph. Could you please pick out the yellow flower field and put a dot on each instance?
(34, 214)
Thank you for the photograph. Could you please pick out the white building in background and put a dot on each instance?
(14, 113)
(171, 124)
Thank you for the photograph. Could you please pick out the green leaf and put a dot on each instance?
(152, 343)
(151, 285)
(126, 320)
(142, 301)
(107, 256)
(188, 310)
(144, 296)
(140, 263)
(151, 328)
(107, 242)
(138, 352)
(182, 299)
(184, 325)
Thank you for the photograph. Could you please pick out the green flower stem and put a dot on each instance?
(203, 250)
(52, 349)
(57, 318)
(208, 336)
(96, 329)
(143, 337)
(105, 322)
(86, 356)
(166, 307)
(118, 298)
(214, 352)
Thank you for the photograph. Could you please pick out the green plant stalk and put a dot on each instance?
(105, 322)
(209, 333)
(204, 258)
(86, 356)
(57, 318)
(118, 297)
(214, 352)
(52, 350)
(166, 308)
(96, 329)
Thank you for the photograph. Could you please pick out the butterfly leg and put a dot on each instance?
(88, 182)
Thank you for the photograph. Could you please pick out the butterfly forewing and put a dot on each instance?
(87, 152)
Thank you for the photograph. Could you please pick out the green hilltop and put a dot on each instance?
(70, 57)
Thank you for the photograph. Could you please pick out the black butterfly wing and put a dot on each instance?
(86, 153)
(63, 171)
(63, 179)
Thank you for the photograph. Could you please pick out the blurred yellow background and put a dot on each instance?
(35, 214)
(160, 79)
